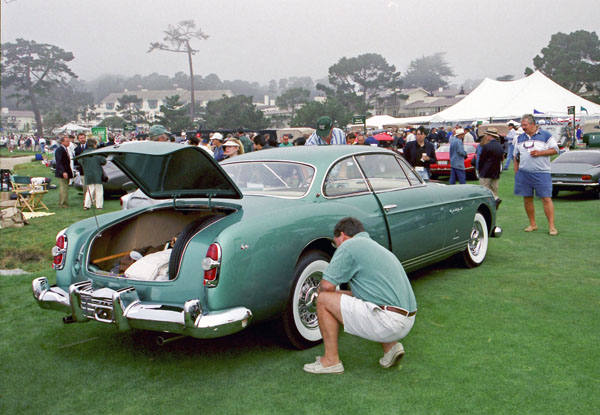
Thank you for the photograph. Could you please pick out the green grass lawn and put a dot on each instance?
(518, 335)
(16, 153)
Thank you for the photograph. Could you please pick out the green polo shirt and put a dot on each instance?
(374, 273)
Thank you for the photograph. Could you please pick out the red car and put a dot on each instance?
(442, 167)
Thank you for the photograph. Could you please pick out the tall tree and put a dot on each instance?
(177, 39)
(35, 68)
(572, 60)
(234, 112)
(308, 115)
(505, 78)
(365, 76)
(292, 99)
(428, 72)
(173, 114)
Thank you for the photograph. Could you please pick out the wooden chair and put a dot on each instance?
(29, 195)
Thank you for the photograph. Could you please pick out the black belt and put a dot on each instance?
(398, 310)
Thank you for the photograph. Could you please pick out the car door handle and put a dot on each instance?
(388, 207)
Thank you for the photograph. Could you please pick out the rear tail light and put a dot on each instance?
(586, 177)
(211, 265)
(59, 251)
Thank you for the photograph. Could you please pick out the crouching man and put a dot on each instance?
(381, 305)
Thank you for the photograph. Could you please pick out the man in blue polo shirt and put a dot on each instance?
(532, 154)
(326, 134)
(381, 305)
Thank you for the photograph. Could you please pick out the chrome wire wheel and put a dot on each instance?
(477, 245)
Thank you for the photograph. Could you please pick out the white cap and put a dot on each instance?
(459, 131)
(217, 136)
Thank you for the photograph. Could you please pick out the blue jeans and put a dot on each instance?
(424, 174)
(509, 156)
(458, 174)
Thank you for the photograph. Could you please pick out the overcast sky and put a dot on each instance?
(259, 40)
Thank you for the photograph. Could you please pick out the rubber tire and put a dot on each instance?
(468, 257)
(293, 332)
(555, 192)
(186, 234)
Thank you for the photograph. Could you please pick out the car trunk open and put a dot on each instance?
(158, 236)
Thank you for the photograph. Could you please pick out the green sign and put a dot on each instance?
(571, 110)
(129, 127)
(359, 119)
(101, 133)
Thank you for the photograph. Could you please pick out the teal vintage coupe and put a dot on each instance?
(248, 240)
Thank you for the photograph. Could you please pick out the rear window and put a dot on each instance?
(580, 157)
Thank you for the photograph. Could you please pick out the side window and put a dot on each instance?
(383, 172)
(344, 178)
(413, 177)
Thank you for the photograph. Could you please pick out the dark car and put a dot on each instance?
(576, 171)
(116, 184)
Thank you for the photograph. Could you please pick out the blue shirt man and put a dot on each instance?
(532, 154)
(457, 158)
(326, 134)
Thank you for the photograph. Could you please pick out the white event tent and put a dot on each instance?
(503, 100)
(536, 94)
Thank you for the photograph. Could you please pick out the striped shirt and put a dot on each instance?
(338, 137)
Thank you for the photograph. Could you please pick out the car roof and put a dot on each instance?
(307, 154)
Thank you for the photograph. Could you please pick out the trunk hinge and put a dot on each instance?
(175, 201)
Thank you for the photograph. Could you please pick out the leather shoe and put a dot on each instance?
(318, 368)
(392, 357)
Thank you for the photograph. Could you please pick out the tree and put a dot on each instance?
(571, 60)
(129, 105)
(428, 72)
(234, 112)
(113, 122)
(173, 114)
(177, 39)
(292, 99)
(365, 76)
(53, 120)
(308, 115)
(35, 68)
(505, 78)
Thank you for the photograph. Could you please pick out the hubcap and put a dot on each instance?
(307, 303)
(476, 239)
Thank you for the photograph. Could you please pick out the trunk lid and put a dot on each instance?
(169, 170)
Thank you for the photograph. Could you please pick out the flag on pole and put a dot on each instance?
(583, 109)
(537, 112)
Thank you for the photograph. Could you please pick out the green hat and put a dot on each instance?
(324, 125)
(157, 130)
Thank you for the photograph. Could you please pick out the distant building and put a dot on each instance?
(152, 100)
(416, 102)
(17, 120)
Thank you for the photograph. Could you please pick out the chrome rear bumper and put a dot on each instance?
(124, 309)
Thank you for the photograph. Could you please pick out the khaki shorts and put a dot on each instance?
(367, 320)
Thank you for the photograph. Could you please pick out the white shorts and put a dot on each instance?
(367, 320)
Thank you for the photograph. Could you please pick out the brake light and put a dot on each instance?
(211, 265)
(586, 177)
(59, 251)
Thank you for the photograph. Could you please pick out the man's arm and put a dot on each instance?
(326, 286)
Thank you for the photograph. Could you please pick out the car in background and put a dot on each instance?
(116, 185)
(591, 134)
(576, 171)
(248, 240)
(442, 167)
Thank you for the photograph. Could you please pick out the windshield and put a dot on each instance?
(271, 178)
(580, 157)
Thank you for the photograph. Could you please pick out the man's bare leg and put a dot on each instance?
(329, 312)
(530, 210)
(549, 211)
(388, 346)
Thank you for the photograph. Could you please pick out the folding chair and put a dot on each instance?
(29, 195)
